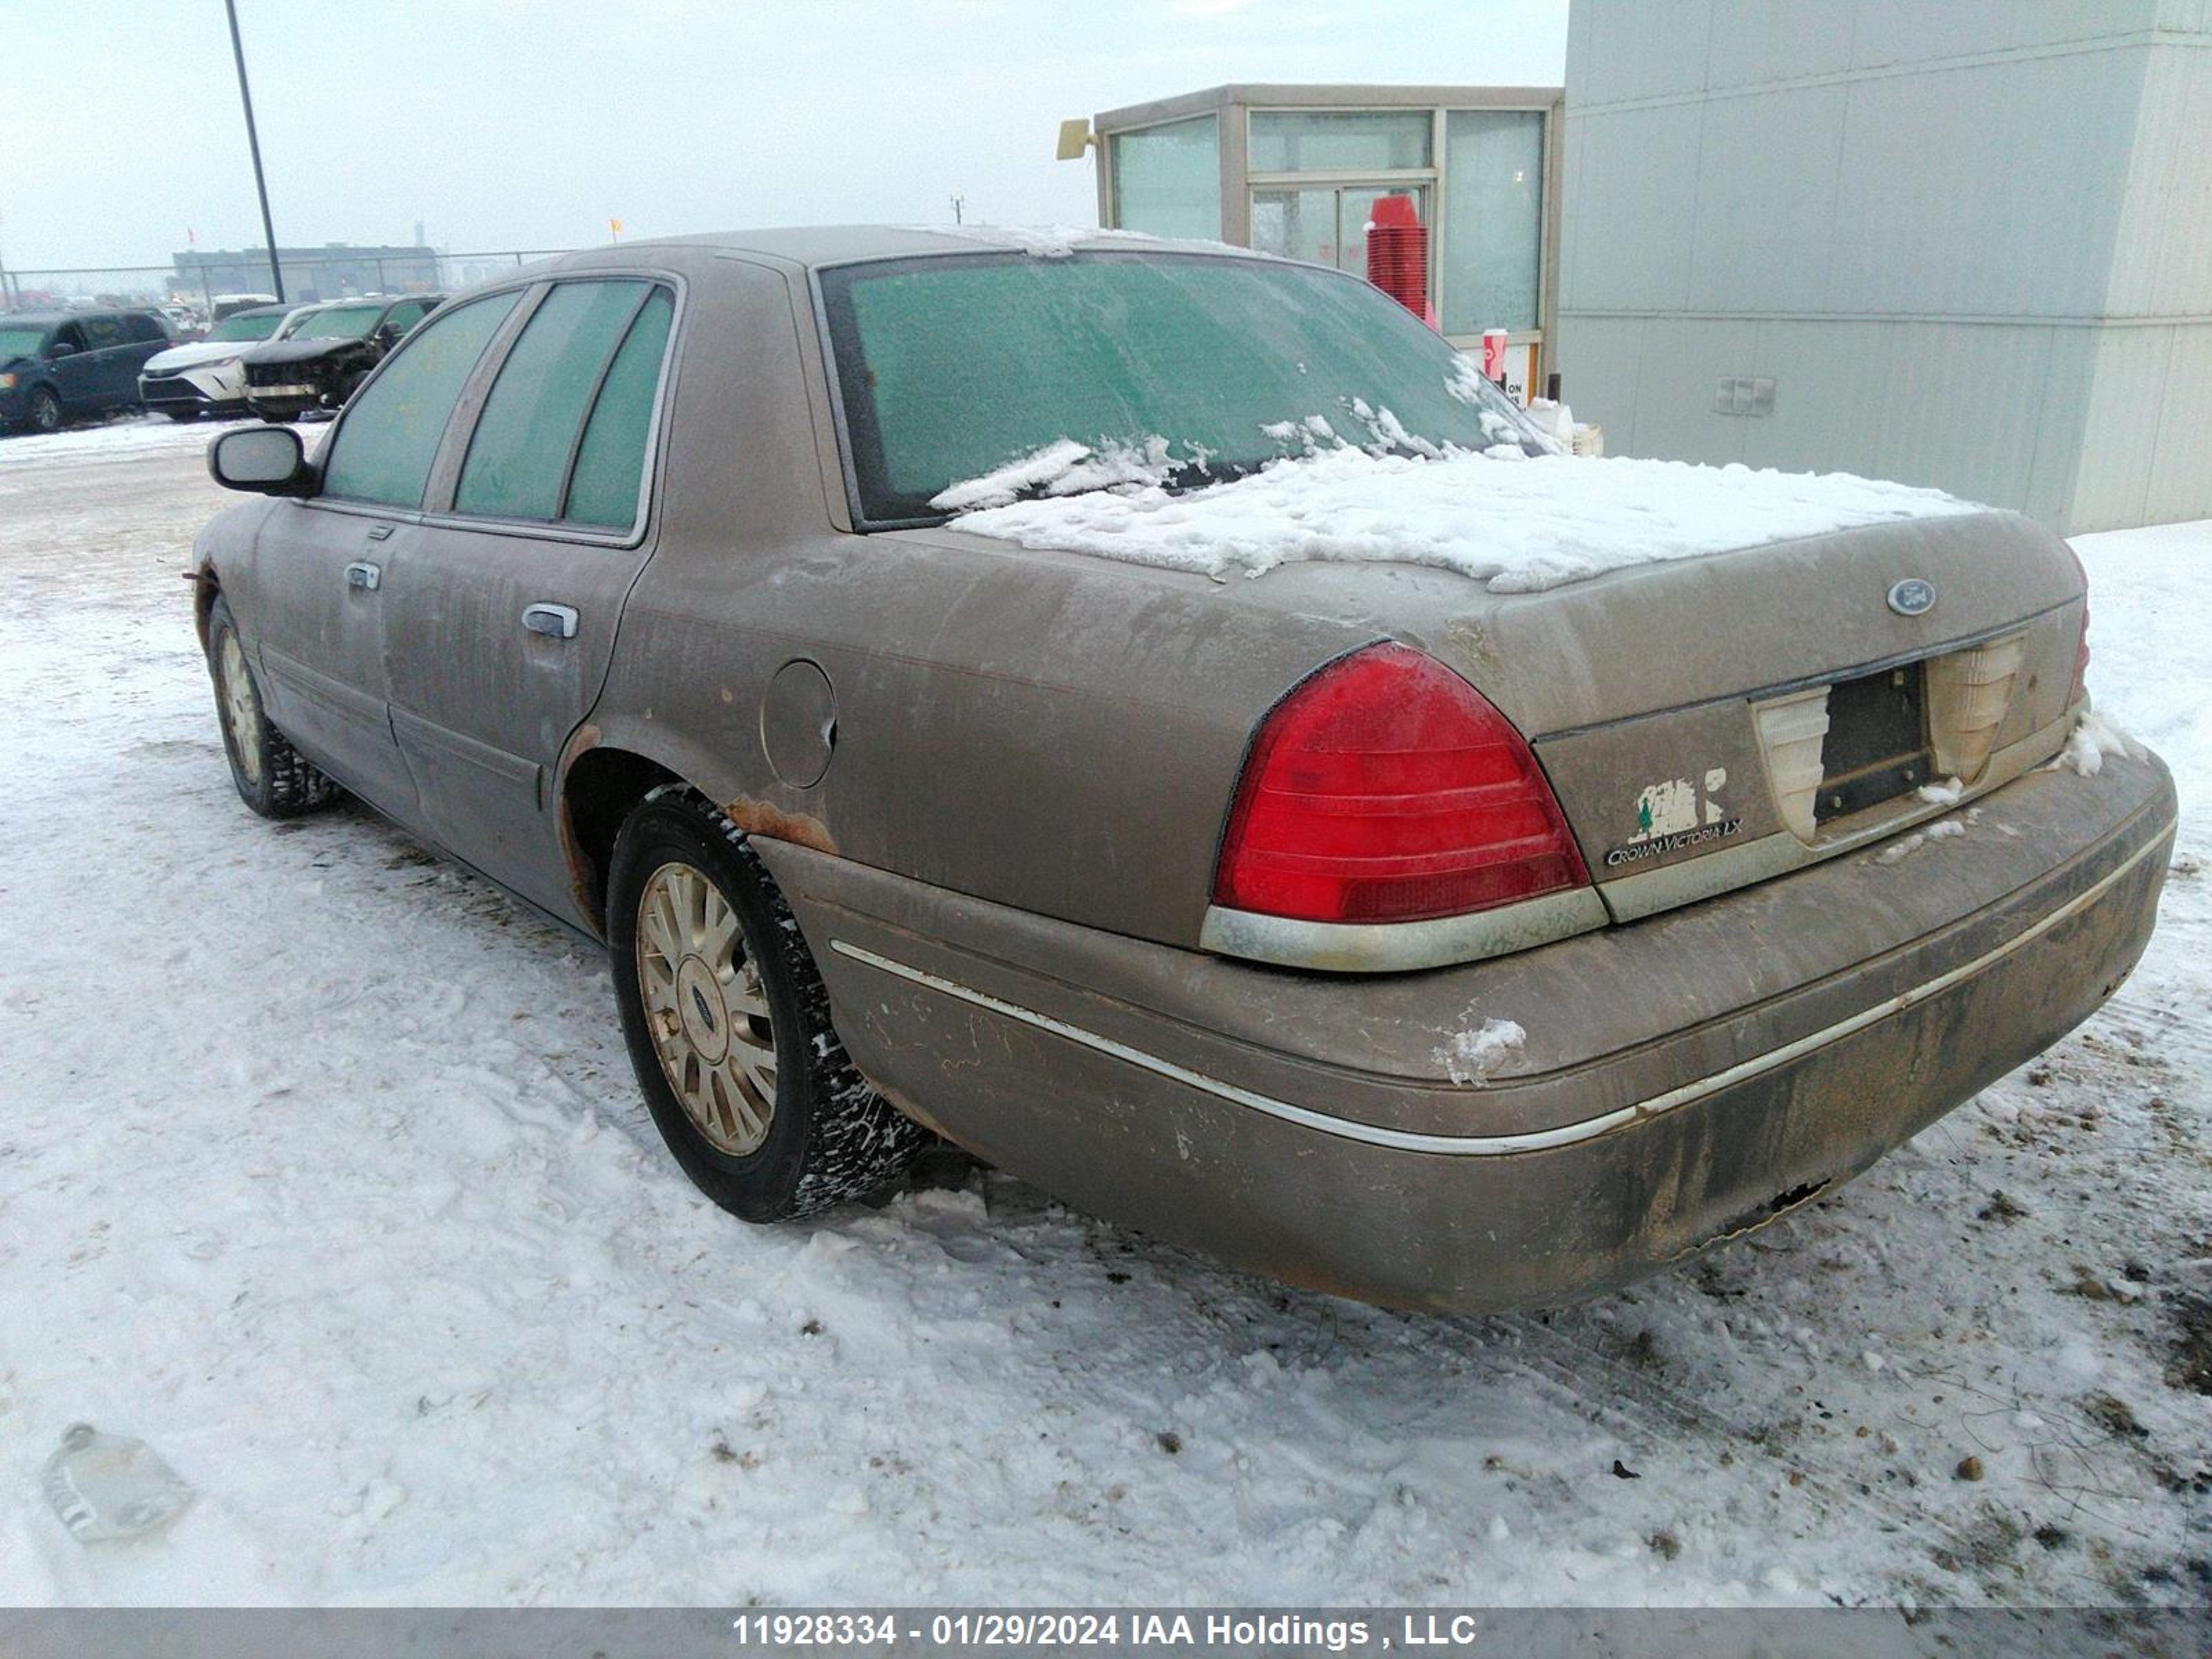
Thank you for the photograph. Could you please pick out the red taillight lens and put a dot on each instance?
(1386, 788)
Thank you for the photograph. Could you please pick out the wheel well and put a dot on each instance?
(205, 590)
(602, 787)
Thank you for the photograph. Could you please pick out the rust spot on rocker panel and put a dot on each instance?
(758, 817)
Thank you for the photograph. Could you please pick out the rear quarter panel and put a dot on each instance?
(1054, 732)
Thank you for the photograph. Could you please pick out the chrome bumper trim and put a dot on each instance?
(1565, 1135)
(1390, 947)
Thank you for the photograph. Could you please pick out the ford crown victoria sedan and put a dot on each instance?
(1363, 922)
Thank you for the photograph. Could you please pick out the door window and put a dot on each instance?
(382, 451)
(611, 461)
(532, 425)
(103, 331)
(143, 327)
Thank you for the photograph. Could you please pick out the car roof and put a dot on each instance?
(261, 310)
(387, 301)
(811, 245)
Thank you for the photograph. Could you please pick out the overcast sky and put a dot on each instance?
(527, 123)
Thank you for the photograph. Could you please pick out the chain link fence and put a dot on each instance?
(193, 281)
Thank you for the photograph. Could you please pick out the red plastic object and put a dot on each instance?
(1398, 253)
(1386, 788)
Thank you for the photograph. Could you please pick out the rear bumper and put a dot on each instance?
(1684, 1079)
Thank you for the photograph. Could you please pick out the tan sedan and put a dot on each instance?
(1359, 922)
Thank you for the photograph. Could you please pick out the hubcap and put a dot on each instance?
(240, 712)
(706, 1008)
(45, 413)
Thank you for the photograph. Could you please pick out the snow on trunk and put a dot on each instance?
(1519, 529)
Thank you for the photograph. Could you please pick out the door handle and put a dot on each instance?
(556, 621)
(378, 532)
(363, 574)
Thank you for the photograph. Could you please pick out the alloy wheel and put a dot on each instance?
(706, 1008)
(240, 711)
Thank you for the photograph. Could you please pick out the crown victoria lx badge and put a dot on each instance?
(1913, 597)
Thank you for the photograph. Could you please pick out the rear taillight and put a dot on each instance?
(1386, 788)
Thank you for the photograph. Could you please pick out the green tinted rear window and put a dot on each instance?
(952, 366)
(610, 463)
(519, 456)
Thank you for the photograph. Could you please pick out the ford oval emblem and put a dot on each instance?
(1913, 597)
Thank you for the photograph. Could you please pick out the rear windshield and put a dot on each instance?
(338, 323)
(246, 325)
(20, 342)
(1193, 368)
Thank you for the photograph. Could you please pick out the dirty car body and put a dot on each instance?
(1002, 788)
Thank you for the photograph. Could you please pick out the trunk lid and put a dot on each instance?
(1747, 713)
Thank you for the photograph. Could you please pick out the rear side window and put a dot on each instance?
(141, 326)
(533, 423)
(611, 461)
(383, 451)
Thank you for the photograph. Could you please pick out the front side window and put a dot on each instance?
(104, 332)
(952, 367)
(521, 454)
(382, 451)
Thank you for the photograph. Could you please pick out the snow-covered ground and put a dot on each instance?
(322, 1170)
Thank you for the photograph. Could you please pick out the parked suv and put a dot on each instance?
(323, 352)
(58, 366)
(208, 377)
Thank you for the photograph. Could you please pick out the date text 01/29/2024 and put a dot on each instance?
(1171, 1631)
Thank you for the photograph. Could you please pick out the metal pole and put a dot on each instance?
(253, 143)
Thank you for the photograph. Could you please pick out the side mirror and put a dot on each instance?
(60, 348)
(265, 459)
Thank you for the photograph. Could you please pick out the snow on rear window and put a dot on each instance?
(1548, 520)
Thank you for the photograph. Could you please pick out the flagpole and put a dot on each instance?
(253, 143)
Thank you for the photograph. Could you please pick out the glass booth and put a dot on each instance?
(1296, 170)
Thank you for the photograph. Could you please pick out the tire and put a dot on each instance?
(182, 414)
(272, 777)
(283, 419)
(44, 412)
(810, 1133)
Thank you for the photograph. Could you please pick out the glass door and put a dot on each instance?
(1326, 224)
